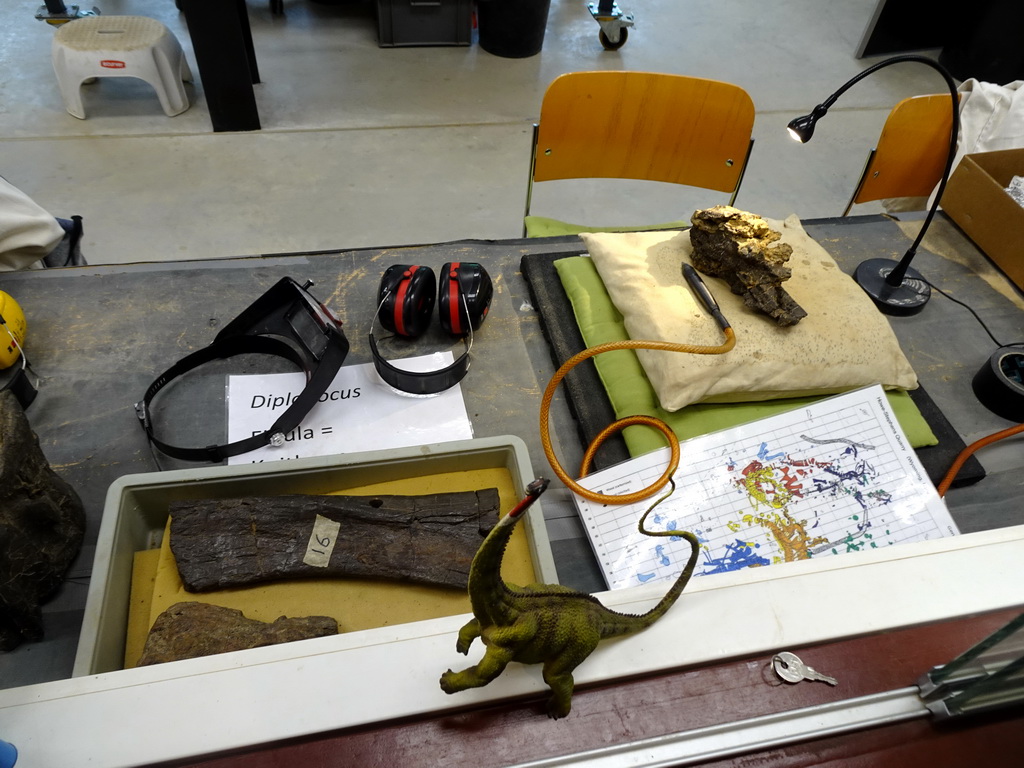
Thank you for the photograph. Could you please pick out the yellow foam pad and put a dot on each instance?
(144, 567)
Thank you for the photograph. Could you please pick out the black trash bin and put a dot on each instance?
(512, 28)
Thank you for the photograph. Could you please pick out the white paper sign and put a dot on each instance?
(358, 412)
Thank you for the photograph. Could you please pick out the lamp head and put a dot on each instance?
(802, 128)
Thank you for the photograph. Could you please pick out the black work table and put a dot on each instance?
(99, 335)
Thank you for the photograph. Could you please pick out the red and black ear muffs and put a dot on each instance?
(406, 298)
(405, 302)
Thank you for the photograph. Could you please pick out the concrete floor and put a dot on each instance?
(364, 146)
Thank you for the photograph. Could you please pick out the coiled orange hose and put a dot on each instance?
(617, 426)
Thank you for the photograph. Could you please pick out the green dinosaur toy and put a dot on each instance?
(543, 623)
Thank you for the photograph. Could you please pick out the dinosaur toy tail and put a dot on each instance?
(642, 621)
(651, 616)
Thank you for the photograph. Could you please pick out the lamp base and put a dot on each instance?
(908, 298)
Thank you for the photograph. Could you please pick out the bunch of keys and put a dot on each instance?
(789, 667)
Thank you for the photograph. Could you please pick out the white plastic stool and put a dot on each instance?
(120, 46)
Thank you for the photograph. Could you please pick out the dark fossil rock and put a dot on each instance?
(42, 524)
(189, 630)
(429, 539)
(741, 248)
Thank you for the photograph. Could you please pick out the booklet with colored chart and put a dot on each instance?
(838, 476)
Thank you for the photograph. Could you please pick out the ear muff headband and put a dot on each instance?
(422, 382)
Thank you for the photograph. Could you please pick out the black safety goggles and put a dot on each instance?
(286, 321)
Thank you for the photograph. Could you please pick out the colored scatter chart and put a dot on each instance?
(835, 477)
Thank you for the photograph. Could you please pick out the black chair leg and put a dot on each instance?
(222, 45)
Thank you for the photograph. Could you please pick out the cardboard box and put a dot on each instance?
(976, 199)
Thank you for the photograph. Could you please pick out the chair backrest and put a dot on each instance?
(911, 152)
(644, 125)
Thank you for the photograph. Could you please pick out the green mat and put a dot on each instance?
(542, 226)
(630, 392)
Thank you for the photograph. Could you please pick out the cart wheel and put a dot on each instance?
(608, 44)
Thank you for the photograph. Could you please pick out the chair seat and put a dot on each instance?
(120, 46)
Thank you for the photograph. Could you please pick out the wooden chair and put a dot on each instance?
(642, 125)
(911, 152)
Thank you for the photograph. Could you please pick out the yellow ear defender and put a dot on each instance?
(13, 336)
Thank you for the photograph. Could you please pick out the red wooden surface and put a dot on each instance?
(625, 711)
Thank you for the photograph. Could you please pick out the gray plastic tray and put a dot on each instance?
(135, 514)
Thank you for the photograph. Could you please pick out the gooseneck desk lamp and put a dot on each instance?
(896, 288)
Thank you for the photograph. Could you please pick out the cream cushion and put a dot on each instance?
(843, 343)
